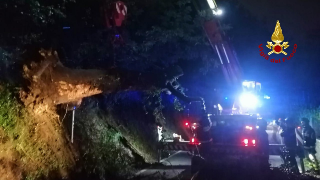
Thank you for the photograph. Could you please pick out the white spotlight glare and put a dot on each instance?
(211, 4)
(249, 100)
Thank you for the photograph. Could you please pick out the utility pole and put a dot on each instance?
(72, 129)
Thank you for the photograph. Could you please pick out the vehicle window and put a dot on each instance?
(233, 122)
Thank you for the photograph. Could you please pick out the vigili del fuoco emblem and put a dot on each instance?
(277, 38)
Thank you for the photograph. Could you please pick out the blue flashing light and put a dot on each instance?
(66, 28)
(117, 35)
(226, 98)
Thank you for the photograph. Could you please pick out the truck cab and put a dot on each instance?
(249, 100)
(234, 130)
(234, 139)
(242, 101)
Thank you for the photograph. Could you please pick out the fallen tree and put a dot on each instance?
(51, 83)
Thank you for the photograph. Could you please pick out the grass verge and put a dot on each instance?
(32, 145)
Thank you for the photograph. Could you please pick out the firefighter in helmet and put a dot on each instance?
(309, 144)
(279, 121)
(289, 138)
(203, 134)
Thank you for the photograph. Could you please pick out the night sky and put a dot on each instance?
(254, 22)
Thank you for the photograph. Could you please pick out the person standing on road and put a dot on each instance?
(204, 134)
(309, 144)
(263, 140)
(281, 123)
(277, 128)
(289, 139)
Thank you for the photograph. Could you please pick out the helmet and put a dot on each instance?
(306, 120)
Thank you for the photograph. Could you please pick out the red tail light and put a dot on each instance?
(187, 124)
(194, 141)
(246, 141)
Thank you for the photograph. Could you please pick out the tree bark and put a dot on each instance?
(51, 83)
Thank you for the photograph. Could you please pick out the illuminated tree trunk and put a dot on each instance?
(51, 83)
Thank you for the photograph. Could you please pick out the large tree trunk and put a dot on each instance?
(51, 83)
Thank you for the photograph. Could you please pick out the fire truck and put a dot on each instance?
(234, 125)
(246, 96)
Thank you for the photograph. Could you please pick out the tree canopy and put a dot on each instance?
(157, 33)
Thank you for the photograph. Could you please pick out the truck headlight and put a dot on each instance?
(249, 100)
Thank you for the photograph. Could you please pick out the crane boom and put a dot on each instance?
(227, 57)
(220, 43)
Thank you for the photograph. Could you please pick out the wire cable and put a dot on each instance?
(173, 169)
(64, 115)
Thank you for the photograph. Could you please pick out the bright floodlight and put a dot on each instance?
(249, 100)
(211, 4)
(219, 12)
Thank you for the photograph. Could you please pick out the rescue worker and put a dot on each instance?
(309, 144)
(204, 136)
(289, 139)
(276, 129)
(263, 142)
(203, 133)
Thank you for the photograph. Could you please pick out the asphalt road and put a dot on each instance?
(171, 167)
(178, 163)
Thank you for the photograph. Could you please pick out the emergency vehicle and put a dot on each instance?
(234, 125)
